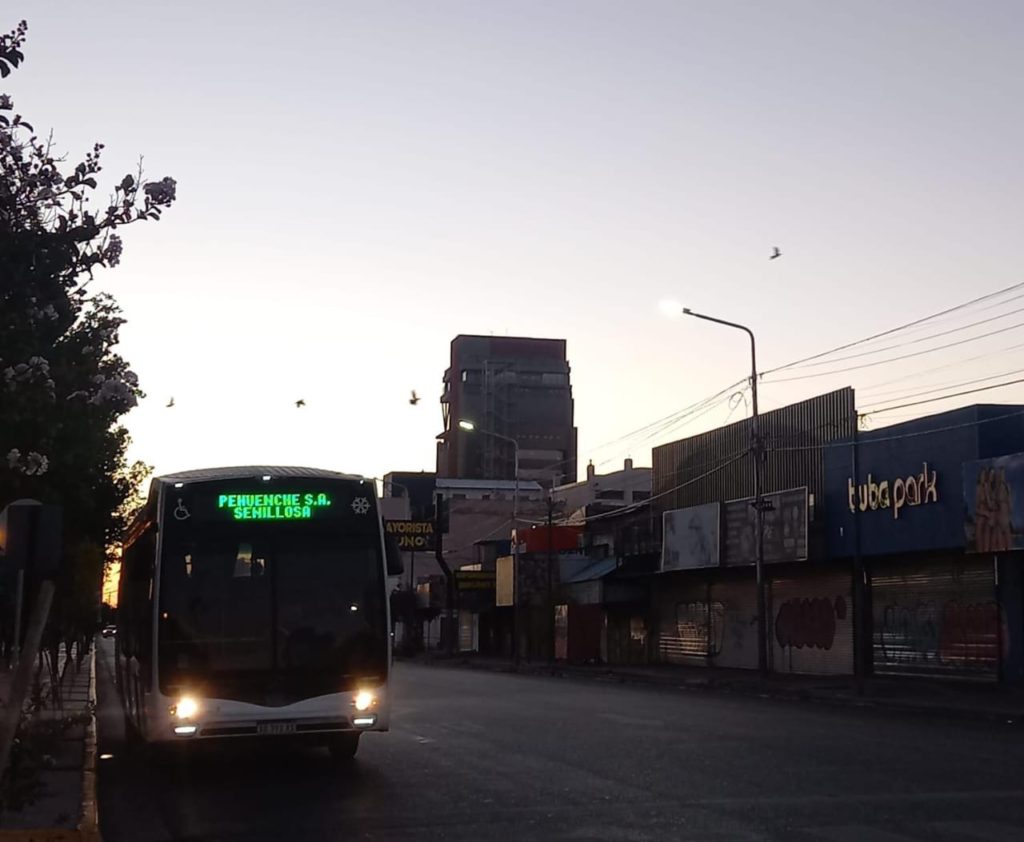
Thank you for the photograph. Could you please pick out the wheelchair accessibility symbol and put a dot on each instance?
(180, 512)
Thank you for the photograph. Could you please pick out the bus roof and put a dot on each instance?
(244, 472)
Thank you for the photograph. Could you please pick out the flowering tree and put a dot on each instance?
(63, 387)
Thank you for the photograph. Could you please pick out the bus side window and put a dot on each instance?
(137, 605)
(144, 568)
(126, 601)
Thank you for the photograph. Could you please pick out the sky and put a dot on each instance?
(358, 182)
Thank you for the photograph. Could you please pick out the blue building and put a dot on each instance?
(934, 602)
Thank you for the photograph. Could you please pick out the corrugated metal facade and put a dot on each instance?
(822, 419)
(936, 618)
(812, 624)
(710, 618)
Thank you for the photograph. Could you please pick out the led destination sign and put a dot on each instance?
(276, 506)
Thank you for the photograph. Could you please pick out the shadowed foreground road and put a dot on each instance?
(478, 755)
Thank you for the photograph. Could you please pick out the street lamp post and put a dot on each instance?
(470, 427)
(759, 502)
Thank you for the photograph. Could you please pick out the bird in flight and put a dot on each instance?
(414, 398)
(775, 254)
(300, 403)
(170, 403)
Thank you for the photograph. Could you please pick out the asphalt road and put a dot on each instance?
(476, 755)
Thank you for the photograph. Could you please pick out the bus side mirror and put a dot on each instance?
(393, 556)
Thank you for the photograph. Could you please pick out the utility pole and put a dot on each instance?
(517, 596)
(450, 579)
(760, 504)
(551, 575)
(517, 615)
(861, 592)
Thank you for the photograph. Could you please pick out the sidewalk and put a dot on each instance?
(960, 699)
(64, 806)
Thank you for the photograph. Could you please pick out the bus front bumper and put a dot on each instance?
(189, 718)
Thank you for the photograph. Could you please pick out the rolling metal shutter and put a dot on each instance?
(937, 619)
(683, 627)
(811, 624)
(733, 618)
(468, 631)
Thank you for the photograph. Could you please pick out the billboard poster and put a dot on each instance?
(994, 504)
(785, 528)
(690, 537)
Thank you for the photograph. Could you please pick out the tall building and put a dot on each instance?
(514, 387)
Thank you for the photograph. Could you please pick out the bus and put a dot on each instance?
(252, 603)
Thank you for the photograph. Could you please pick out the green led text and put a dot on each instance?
(301, 506)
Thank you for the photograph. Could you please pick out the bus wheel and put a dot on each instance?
(343, 747)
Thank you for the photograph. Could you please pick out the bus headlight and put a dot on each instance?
(364, 700)
(186, 708)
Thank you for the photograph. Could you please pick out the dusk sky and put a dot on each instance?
(360, 182)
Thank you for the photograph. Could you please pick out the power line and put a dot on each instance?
(998, 351)
(901, 395)
(893, 330)
(649, 500)
(865, 442)
(666, 423)
(946, 397)
(897, 359)
(685, 422)
(915, 341)
(1003, 303)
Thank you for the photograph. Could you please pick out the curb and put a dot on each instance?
(752, 690)
(88, 829)
(89, 818)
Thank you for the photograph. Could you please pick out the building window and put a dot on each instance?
(611, 494)
(641, 495)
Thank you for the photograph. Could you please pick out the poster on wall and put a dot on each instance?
(994, 504)
(690, 537)
(785, 528)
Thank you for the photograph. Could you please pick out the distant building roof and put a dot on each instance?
(489, 484)
(595, 570)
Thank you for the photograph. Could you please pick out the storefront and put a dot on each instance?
(706, 595)
(935, 606)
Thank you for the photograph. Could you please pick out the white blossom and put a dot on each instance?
(120, 392)
(35, 464)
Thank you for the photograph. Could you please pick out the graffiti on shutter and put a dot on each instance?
(940, 619)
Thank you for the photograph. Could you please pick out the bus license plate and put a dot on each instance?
(275, 728)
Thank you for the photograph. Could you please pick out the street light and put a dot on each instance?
(759, 502)
(470, 427)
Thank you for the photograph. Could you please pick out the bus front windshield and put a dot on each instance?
(262, 609)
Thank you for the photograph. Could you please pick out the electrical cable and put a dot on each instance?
(900, 437)
(946, 397)
(948, 332)
(896, 329)
(901, 357)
